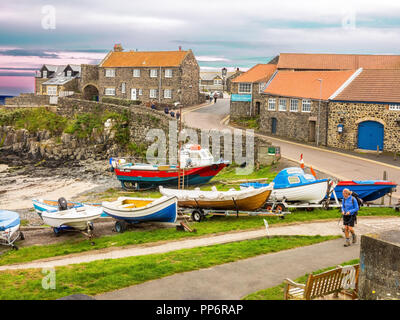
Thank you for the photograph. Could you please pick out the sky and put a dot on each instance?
(221, 33)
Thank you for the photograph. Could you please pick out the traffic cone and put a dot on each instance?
(301, 161)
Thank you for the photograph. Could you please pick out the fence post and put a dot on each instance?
(384, 178)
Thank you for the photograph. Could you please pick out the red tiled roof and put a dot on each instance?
(305, 84)
(373, 86)
(309, 61)
(259, 73)
(144, 59)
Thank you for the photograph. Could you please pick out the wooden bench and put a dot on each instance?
(340, 280)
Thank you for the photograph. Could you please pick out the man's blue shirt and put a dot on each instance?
(350, 205)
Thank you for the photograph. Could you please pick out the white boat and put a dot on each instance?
(293, 185)
(78, 218)
(135, 210)
(249, 199)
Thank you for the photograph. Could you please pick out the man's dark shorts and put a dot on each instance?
(348, 220)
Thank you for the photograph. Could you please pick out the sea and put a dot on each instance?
(3, 99)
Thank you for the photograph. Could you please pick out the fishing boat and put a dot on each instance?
(197, 167)
(367, 190)
(293, 185)
(9, 228)
(41, 205)
(135, 210)
(249, 199)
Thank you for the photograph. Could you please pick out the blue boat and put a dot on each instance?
(367, 190)
(9, 228)
(135, 210)
(293, 185)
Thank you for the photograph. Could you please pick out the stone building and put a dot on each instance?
(217, 80)
(57, 80)
(247, 91)
(159, 76)
(296, 104)
(368, 113)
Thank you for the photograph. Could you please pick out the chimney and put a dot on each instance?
(118, 47)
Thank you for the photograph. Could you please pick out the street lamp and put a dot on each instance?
(224, 73)
(319, 110)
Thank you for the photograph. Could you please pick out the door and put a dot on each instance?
(274, 123)
(258, 108)
(133, 94)
(370, 135)
(311, 132)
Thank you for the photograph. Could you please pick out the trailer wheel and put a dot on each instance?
(309, 209)
(197, 216)
(56, 231)
(280, 207)
(268, 207)
(120, 226)
(21, 236)
(15, 247)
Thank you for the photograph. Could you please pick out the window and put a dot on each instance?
(140, 92)
(109, 92)
(69, 73)
(51, 90)
(217, 82)
(153, 93)
(153, 73)
(394, 107)
(271, 104)
(123, 87)
(136, 73)
(244, 87)
(306, 106)
(282, 104)
(261, 87)
(110, 73)
(44, 74)
(168, 73)
(294, 105)
(167, 93)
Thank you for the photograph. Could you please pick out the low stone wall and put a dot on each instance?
(379, 277)
(28, 99)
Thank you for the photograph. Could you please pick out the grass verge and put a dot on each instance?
(107, 275)
(276, 293)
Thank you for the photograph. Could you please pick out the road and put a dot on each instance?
(340, 165)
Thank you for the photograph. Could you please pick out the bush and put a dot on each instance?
(121, 102)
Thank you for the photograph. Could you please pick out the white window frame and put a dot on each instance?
(271, 104)
(136, 73)
(69, 73)
(292, 104)
(247, 86)
(153, 93)
(45, 74)
(261, 87)
(167, 94)
(110, 73)
(52, 91)
(109, 91)
(217, 82)
(281, 105)
(153, 73)
(394, 107)
(140, 92)
(123, 87)
(306, 105)
(168, 73)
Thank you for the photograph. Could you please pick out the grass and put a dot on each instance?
(107, 275)
(213, 225)
(251, 123)
(276, 293)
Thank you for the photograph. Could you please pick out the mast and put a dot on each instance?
(179, 147)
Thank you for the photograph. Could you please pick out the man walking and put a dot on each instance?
(349, 212)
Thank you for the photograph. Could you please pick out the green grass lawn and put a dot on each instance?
(276, 293)
(107, 275)
(213, 225)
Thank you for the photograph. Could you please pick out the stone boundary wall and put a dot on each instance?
(28, 99)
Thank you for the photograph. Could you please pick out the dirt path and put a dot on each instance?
(365, 225)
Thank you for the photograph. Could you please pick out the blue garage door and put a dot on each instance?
(370, 135)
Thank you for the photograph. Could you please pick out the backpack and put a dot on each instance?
(360, 201)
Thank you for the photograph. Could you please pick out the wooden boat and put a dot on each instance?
(246, 200)
(135, 210)
(293, 185)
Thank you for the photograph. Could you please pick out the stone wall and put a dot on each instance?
(301, 126)
(352, 114)
(379, 277)
(28, 99)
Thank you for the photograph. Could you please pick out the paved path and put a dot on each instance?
(365, 225)
(340, 165)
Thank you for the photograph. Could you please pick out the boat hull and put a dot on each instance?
(155, 178)
(165, 210)
(366, 191)
(52, 205)
(71, 218)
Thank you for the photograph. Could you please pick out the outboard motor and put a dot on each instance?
(62, 204)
